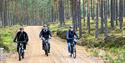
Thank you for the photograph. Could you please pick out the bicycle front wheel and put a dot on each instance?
(74, 53)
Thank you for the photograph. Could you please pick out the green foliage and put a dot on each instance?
(53, 27)
(6, 37)
(110, 41)
(61, 32)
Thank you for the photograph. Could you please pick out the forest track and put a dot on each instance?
(59, 54)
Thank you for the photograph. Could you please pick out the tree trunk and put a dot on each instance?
(121, 13)
(5, 13)
(102, 17)
(79, 18)
(84, 12)
(112, 13)
(105, 18)
(88, 18)
(97, 32)
(61, 12)
(116, 11)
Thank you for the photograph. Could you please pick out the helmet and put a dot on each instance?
(71, 27)
(44, 25)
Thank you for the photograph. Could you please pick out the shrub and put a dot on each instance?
(6, 37)
(61, 32)
(110, 41)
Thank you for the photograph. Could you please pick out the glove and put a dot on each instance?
(49, 37)
(14, 40)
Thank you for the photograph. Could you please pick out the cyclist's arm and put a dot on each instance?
(40, 35)
(67, 36)
(27, 38)
(50, 33)
(16, 37)
(76, 35)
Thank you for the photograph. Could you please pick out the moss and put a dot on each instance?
(110, 41)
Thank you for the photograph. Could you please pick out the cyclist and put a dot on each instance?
(70, 36)
(21, 36)
(45, 34)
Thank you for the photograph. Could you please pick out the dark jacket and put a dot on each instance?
(21, 36)
(70, 36)
(45, 33)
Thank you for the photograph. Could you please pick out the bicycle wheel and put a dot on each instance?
(74, 54)
(46, 49)
(71, 50)
(20, 54)
(74, 51)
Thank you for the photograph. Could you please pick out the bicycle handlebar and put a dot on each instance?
(20, 41)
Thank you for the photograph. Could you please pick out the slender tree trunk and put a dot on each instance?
(116, 11)
(112, 13)
(5, 13)
(84, 12)
(73, 7)
(61, 12)
(121, 13)
(105, 18)
(1, 10)
(92, 9)
(88, 18)
(79, 17)
(52, 13)
(102, 17)
(124, 8)
(97, 32)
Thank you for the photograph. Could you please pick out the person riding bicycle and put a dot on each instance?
(45, 34)
(70, 36)
(21, 36)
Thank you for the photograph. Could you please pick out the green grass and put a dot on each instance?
(6, 37)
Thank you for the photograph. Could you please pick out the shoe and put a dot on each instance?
(22, 57)
(24, 51)
(19, 59)
(70, 55)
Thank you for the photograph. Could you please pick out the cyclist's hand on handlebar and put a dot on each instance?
(50, 38)
(14, 41)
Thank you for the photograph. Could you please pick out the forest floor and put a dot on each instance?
(59, 54)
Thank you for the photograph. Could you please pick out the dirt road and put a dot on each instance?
(59, 54)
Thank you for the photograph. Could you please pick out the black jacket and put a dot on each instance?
(70, 36)
(45, 34)
(21, 36)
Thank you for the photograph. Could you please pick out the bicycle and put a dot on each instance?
(46, 46)
(21, 50)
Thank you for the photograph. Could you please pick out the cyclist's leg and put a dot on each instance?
(24, 46)
(75, 44)
(69, 48)
(43, 44)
